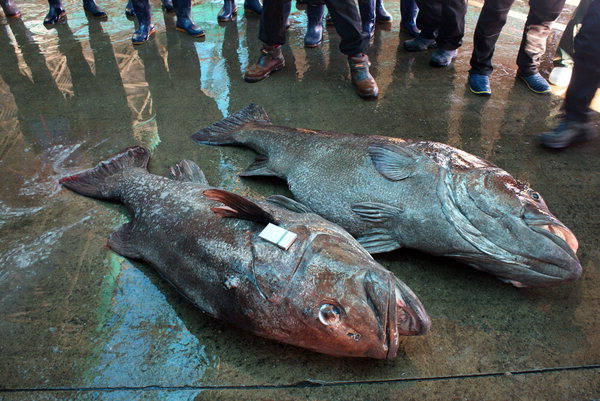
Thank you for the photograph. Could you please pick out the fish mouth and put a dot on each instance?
(406, 316)
(563, 233)
(397, 309)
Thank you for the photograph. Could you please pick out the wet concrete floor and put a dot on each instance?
(79, 322)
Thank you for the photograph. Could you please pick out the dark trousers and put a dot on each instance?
(586, 69)
(533, 44)
(442, 20)
(345, 19)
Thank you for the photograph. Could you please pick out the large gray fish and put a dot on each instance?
(324, 293)
(391, 193)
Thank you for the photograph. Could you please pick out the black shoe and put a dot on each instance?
(566, 133)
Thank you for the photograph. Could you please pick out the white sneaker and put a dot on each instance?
(560, 76)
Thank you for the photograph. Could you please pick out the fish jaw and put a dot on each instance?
(398, 309)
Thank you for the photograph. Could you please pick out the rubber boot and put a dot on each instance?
(367, 16)
(10, 9)
(365, 84)
(228, 11)
(145, 26)
(183, 9)
(381, 14)
(92, 8)
(270, 60)
(287, 8)
(408, 15)
(129, 11)
(314, 28)
(254, 6)
(167, 5)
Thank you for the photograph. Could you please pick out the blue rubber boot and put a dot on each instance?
(56, 12)
(367, 16)
(408, 15)
(183, 9)
(10, 9)
(228, 11)
(145, 26)
(381, 14)
(92, 8)
(314, 28)
(254, 6)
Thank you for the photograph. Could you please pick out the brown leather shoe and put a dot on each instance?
(365, 84)
(270, 60)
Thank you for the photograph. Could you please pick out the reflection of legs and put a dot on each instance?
(583, 86)
(10, 9)
(272, 33)
(183, 8)
(145, 26)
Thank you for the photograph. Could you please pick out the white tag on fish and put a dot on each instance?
(278, 236)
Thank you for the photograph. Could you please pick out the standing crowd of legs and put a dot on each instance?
(433, 24)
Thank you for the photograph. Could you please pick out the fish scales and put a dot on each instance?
(325, 293)
(391, 193)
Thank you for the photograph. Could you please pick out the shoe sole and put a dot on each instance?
(546, 92)
(258, 79)
(199, 35)
(480, 93)
(312, 45)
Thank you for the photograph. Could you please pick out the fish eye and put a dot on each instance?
(329, 314)
(535, 195)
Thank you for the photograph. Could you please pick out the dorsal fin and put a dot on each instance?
(187, 170)
(238, 207)
(221, 132)
(392, 161)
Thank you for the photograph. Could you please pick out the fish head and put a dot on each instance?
(519, 239)
(343, 303)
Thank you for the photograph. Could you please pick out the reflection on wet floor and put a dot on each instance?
(76, 315)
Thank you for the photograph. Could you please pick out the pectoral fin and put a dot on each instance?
(187, 170)
(259, 168)
(289, 204)
(379, 240)
(392, 161)
(376, 212)
(121, 242)
(238, 207)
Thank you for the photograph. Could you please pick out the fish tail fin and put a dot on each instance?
(223, 132)
(95, 181)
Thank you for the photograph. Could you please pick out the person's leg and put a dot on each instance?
(450, 33)
(145, 26)
(56, 12)
(408, 17)
(353, 43)
(542, 14)
(272, 33)
(183, 8)
(314, 26)
(491, 20)
(585, 81)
